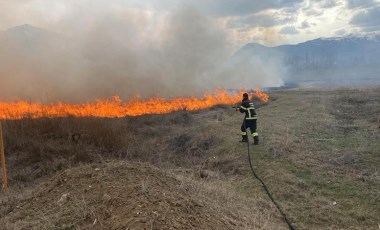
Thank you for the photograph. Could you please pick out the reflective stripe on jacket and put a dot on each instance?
(248, 108)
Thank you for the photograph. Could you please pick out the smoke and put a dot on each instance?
(98, 50)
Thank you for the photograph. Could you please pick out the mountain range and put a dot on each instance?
(322, 52)
(351, 57)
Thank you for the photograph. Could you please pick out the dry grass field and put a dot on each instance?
(319, 154)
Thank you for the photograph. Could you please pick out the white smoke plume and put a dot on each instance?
(96, 49)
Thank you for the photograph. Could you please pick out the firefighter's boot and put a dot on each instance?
(255, 138)
(244, 137)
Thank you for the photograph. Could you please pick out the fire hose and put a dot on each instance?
(291, 227)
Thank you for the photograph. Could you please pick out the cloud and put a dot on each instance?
(261, 20)
(329, 3)
(289, 30)
(368, 20)
(340, 32)
(362, 4)
(317, 8)
(242, 7)
(304, 25)
(218, 8)
(313, 12)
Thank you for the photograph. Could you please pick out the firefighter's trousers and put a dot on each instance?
(252, 125)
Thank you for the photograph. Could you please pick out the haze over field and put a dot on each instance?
(78, 51)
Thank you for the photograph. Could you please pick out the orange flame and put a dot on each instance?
(114, 107)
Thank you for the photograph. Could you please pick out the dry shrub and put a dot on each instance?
(38, 147)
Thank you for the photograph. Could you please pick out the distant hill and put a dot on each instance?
(322, 52)
(27, 33)
(323, 56)
(27, 40)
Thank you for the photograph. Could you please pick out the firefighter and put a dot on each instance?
(250, 120)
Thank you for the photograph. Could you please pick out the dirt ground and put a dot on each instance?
(121, 195)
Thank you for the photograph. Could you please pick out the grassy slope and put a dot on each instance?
(317, 148)
(319, 155)
(322, 147)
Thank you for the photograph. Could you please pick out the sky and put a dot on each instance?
(269, 22)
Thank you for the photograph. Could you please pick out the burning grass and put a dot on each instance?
(115, 107)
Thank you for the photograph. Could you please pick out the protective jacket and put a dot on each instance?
(248, 108)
